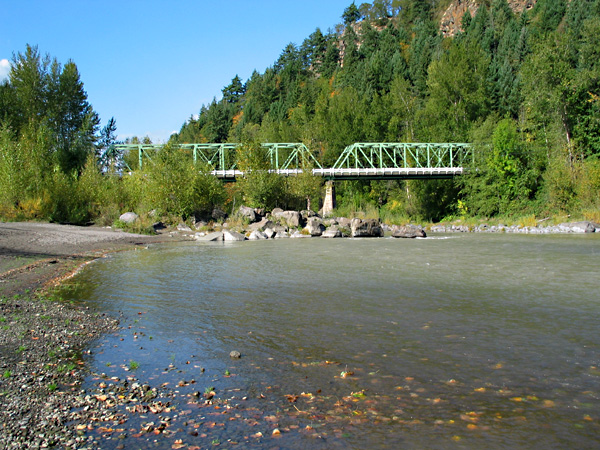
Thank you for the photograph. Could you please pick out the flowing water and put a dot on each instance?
(457, 341)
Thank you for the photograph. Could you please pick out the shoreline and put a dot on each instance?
(42, 339)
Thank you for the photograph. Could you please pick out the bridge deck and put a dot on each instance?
(354, 174)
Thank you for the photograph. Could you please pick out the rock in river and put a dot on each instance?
(315, 226)
(233, 236)
(216, 236)
(366, 228)
(332, 232)
(257, 235)
(290, 218)
(408, 231)
(248, 213)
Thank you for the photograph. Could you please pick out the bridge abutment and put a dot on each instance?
(329, 203)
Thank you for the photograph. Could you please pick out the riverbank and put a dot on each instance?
(41, 372)
(41, 338)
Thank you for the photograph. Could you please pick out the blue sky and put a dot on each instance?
(152, 64)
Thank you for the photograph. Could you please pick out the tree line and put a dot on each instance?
(523, 88)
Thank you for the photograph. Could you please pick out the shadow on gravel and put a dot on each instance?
(15, 253)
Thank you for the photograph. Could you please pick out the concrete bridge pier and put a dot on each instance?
(329, 203)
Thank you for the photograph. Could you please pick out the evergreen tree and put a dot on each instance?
(351, 14)
(234, 92)
(422, 49)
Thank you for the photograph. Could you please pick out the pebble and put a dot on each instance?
(41, 401)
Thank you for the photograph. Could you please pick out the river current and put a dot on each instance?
(453, 341)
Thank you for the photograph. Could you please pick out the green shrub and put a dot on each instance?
(171, 185)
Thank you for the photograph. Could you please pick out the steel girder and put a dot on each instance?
(222, 157)
(359, 160)
(404, 156)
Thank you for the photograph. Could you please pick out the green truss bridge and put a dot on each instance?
(374, 161)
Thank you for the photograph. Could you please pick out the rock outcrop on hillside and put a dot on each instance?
(451, 22)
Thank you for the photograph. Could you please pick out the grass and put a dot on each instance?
(593, 215)
(65, 368)
(52, 387)
(141, 226)
(528, 221)
(133, 365)
(7, 374)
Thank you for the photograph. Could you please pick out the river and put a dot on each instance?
(454, 341)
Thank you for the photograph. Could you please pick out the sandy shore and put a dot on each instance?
(41, 339)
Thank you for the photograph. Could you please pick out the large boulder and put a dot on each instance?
(366, 228)
(233, 236)
(257, 235)
(216, 236)
(218, 213)
(292, 219)
(343, 222)
(408, 231)
(129, 217)
(307, 214)
(262, 225)
(247, 213)
(281, 231)
(315, 226)
(183, 227)
(332, 232)
(578, 227)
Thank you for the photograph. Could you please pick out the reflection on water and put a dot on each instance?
(467, 341)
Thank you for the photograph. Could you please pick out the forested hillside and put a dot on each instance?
(520, 80)
(524, 87)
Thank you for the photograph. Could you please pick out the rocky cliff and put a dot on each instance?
(451, 21)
